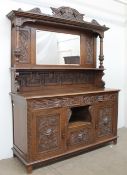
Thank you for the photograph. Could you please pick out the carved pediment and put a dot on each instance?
(67, 13)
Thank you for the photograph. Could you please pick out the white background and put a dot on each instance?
(108, 12)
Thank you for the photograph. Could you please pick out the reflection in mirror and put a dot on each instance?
(57, 48)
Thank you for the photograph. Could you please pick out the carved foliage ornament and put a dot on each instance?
(48, 132)
(105, 122)
(67, 13)
(35, 10)
(22, 53)
(70, 101)
(79, 137)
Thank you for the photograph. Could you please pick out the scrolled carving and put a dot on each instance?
(99, 81)
(70, 101)
(95, 22)
(45, 103)
(67, 13)
(35, 10)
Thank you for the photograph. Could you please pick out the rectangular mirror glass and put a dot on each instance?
(54, 48)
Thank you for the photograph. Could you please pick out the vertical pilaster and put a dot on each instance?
(101, 56)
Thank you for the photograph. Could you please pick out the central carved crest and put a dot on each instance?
(67, 13)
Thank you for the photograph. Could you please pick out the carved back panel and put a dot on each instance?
(24, 81)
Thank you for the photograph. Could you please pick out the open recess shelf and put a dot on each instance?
(80, 114)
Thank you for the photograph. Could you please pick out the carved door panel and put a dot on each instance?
(48, 133)
(105, 120)
(79, 136)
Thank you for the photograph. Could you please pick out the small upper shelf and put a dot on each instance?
(54, 67)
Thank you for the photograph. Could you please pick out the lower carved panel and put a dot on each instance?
(104, 126)
(48, 133)
(78, 137)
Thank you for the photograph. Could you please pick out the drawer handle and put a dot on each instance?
(100, 98)
(48, 132)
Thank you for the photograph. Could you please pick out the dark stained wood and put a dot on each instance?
(58, 110)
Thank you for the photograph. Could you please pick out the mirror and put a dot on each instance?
(54, 48)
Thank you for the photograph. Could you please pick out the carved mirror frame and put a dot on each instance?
(65, 20)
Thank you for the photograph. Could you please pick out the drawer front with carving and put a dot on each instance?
(47, 133)
(104, 120)
(79, 137)
(78, 100)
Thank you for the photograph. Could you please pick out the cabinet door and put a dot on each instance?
(48, 133)
(105, 120)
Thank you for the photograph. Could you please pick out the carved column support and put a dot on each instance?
(102, 81)
(17, 84)
(101, 56)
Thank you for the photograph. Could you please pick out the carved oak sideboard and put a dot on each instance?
(60, 108)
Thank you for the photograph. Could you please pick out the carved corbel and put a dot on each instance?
(102, 81)
(99, 81)
(19, 22)
(16, 81)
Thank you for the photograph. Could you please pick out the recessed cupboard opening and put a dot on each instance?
(80, 114)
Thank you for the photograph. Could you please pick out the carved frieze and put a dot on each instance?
(47, 132)
(45, 103)
(78, 100)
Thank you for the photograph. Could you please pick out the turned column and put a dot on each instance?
(101, 56)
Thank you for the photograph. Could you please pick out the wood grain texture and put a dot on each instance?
(58, 111)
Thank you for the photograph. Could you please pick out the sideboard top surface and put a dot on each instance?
(61, 93)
